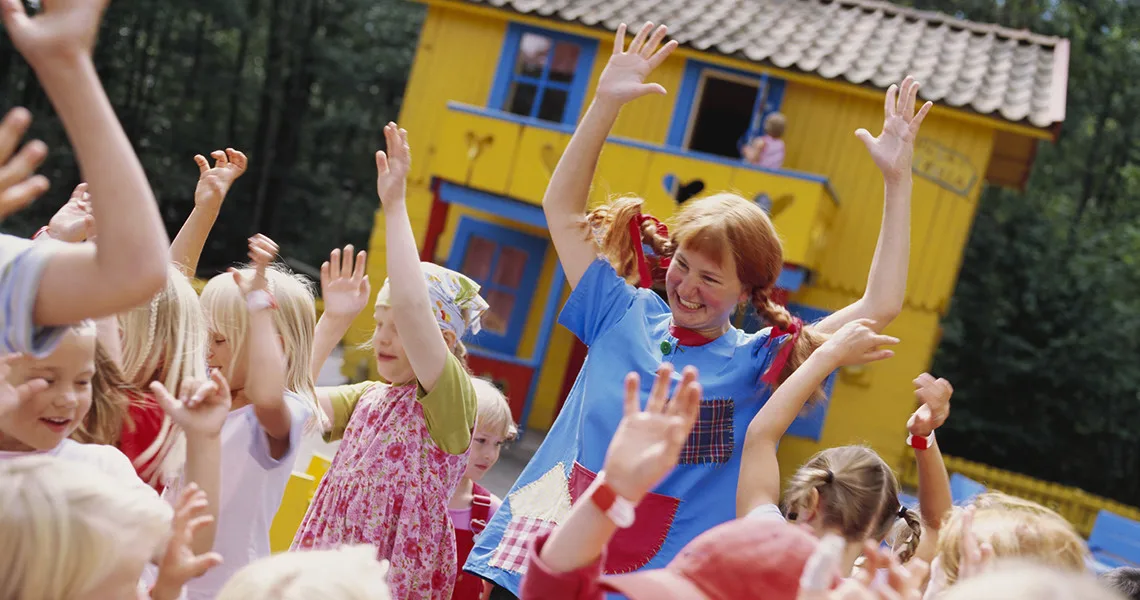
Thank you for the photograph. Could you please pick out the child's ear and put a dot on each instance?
(449, 337)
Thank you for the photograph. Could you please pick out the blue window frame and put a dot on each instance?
(808, 424)
(733, 119)
(542, 74)
(506, 263)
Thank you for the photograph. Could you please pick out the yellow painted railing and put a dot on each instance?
(1076, 505)
(513, 156)
(295, 502)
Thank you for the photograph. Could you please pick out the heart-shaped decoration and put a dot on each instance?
(774, 207)
(682, 191)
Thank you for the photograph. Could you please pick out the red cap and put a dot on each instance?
(742, 559)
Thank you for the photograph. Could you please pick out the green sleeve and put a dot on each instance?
(343, 399)
(450, 408)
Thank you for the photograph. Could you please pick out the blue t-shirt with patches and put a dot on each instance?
(624, 328)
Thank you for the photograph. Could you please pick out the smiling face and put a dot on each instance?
(44, 420)
(391, 361)
(702, 293)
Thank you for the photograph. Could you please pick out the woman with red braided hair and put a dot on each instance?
(720, 253)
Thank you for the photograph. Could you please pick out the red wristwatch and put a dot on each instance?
(920, 443)
(618, 509)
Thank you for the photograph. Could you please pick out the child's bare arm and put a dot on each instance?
(759, 484)
(934, 498)
(411, 305)
(130, 266)
(213, 185)
(265, 386)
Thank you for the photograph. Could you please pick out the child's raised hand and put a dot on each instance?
(893, 150)
(648, 442)
(262, 251)
(856, 343)
(934, 398)
(65, 29)
(19, 184)
(214, 182)
(623, 79)
(344, 285)
(392, 167)
(12, 395)
(74, 222)
(179, 563)
(976, 557)
(201, 406)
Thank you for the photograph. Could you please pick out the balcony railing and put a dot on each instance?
(514, 156)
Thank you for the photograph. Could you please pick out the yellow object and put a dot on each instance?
(298, 491)
(1076, 505)
(318, 465)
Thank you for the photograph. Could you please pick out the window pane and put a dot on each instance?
(521, 100)
(477, 261)
(509, 269)
(553, 105)
(533, 50)
(497, 317)
(565, 62)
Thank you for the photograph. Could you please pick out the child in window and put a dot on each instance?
(768, 150)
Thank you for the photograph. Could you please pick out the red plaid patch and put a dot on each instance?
(513, 548)
(713, 437)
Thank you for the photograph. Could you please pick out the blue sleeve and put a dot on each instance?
(599, 301)
(299, 415)
(22, 265)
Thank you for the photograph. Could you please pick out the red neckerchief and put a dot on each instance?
(688, 337)
(772, 375)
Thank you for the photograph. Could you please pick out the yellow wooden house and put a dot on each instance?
(497, 87)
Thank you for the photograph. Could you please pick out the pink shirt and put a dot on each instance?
(771, 154)
(542, 583)
(461, 517)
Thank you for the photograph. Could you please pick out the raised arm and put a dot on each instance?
(934, 499)
(855, 343)
(19, 184)
(130, 266)
(411, 306)
(345, 291)
(265, 386)
(564, 204)
(892, 152)
(213, 185)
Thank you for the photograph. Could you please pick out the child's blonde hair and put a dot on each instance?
(295, 320)
(346, 573)
(1016, 528)
(165, 341)
(66, 526)
(111, 396)
(775, 124)
(1030, 581)
(494, 412)
(858, 497)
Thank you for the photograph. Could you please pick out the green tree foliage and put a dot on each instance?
(302, 86)
(1042, 340)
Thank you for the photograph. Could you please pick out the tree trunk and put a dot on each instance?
(236, 87)
(269, 110)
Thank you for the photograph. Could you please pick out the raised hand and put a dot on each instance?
(893, 149)
(19, 184)
(201, 407)
(74, 222)
(392, 167)
(934, 405)
(180, 563)
(902, 582)
(856, 343)
(262, 251)
(65, 29)
(344, 286)
(12, 395)
(214, 182)
(648, 442)
(623, 79)
(976, 557)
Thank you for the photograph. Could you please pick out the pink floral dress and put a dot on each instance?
(389, 485)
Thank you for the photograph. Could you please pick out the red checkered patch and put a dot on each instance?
(512, 550)
(713, 438)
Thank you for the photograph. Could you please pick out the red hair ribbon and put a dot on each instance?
(645, 275)
(772, 375)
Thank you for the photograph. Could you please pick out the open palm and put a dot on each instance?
(893, 149)
(344, 286)
(392, 167)
(201, 406)
(623, 79)
(648, 442)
